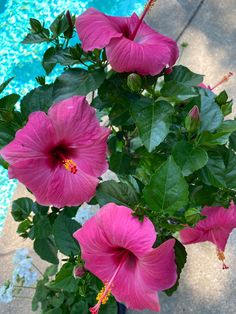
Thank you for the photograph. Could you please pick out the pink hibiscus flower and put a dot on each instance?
(216, 228)
(60, 156)
(117, 248)
(131, 45)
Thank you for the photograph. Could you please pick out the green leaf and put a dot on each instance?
(36, 26)
(230, 174)
(59, 25)
(3, 163)
(153, 122)
(46, 249)
(109, 308)
(66, 57)
(49, 60)
(76, 82)
(183, 75)
(36, 38)
(116, 192)
(4, 84)
(232, 141)
(51, 271)
(211, 116)
(23, 226)
(168, 190)
(63, 230)
(80, 307)
(39, 99)
(147, 165)
(7, 133)
(21, 208)
(227, 108)
(214, 171)
(177, 92)
(54, 311)
(180, 259)
(119, 115)
(222, 98)
(64, 279)
(203, 195)
(220, 170)
(221, 136)
(188, 157)
(42, 226)
(41, 293)
(179, 84)
(213, 139)
(9, 101)
(120, 163)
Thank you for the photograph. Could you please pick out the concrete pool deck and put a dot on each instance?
(204, 287)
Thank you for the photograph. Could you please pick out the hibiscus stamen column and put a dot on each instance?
(148, 7)
(103, 296)
(224, 79)
(221, 257)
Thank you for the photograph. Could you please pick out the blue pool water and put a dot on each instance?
(23, 61)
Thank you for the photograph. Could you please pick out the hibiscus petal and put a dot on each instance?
(34, 140)
(68, 189)
(96, 29)
(137, 238)
(130, 288)
(219, 237)
(105, 237)
(158, 268)
(148, 54)
(76, 124)
(35, 174)
(96, 250)
(91, 157)
(192, 235)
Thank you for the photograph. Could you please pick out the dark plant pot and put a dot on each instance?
(121, 308)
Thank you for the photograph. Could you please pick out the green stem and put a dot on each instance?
(24, 287)
(37, 269)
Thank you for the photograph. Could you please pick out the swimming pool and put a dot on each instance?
(23, 61)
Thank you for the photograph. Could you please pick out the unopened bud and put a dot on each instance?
(134, 82)
(168, 70)
(192, 216)
(69, 31)
(192, 120)
(78, 271)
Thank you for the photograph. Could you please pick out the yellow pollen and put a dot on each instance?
(149, 5)
(70, 165)
(221, 257)
(103, 296)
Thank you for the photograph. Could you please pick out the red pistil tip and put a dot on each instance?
(70, 165)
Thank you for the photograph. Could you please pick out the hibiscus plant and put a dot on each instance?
(121, 103)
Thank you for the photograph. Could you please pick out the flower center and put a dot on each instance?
(70, 165)
(147, 8)
(60, 155)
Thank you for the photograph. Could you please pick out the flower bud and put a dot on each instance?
(192, 120)
(168, 71)
(134, 82)
(192, 216)
(78, 271)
